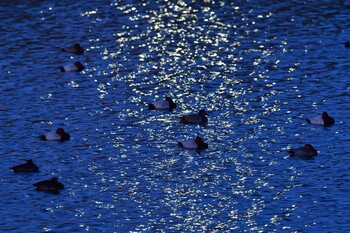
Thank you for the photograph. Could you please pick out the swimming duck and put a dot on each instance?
(201, 117)
(196, 143)
(167, 103)
(29, 166)
(60, 134)
(51, 185)
(323, 119)
(306, 151)
(76, 66)
(76, 49)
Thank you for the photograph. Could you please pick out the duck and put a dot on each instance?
(167, 103)
(51, 185)
(323, 119)
(305, 151)
(29, 166)
(196, 143)
(75, 48)
(60, 135)
(199, 118)
(76, 66)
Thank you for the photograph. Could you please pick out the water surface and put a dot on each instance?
(259, 70)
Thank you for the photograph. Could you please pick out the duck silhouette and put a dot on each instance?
(75, 48)
(29, 166)
(199, 118)
(51, 185)
(305, 151)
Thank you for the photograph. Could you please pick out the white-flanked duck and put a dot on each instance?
(76, 66)
(323, 119)
(305, 151)
(167, 103)
(51, 185)
(199, 118)
(29, 166)
(75, 48)
(196, 143)
(59, 134)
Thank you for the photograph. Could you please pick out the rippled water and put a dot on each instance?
(258, 68)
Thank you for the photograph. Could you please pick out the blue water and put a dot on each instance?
(258, 68)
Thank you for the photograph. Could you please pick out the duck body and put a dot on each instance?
(305, 151)
(75, 48)
(76, 66)
(29, 166)
(51, 185)
(167, 103)
(324, 120)
(199, 118)
(60, 135)
(196, 143)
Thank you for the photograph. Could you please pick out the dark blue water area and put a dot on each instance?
(258, 68)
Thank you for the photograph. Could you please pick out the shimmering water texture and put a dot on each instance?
(258, 68)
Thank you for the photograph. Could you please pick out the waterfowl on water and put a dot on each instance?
(199, 118)
(76, 66)
(60, 134)
(75, 48)
(29, 166)
(305, 151)
(323, 119)
(51, 185)
(167, 103)
(196, 143)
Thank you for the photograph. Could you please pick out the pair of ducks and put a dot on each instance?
(76, 66)
(169, 104)
(51, 185)
(308, 151)
(200, 118)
